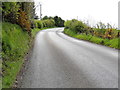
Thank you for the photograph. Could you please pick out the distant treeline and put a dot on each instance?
(49, 22)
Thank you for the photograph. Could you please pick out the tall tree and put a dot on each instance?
(58, 21)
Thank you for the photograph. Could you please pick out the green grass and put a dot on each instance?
(15, 45)
(97, 40)
(113, 43)
(0, 76)
(11, 72)
(83, 37)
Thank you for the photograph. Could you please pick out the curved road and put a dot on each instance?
(60, 61)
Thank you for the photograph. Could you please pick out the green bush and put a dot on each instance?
(44, 23)
(75, 25)
(67, 24)
(101, 31)
(38, 24)
(48, 23)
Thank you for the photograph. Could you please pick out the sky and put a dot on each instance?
(92, 11)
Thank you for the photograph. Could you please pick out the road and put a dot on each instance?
(60, 61)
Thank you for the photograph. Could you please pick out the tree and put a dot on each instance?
(45, 17)
(58, 21)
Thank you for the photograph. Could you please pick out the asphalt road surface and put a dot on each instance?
(60, 61)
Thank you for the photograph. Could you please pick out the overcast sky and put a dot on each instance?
(91, 10)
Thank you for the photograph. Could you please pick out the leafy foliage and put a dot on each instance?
(44, 23)
(59, 22)
(11, 36)
(38, 24)
(21, 13)
(10, 11)
(77, 26)
(114, 43)
(48, 23)
(101, 30)
(15, 44)
(101, 34)
(24, 22)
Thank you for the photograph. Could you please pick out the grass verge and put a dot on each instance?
(15, 46)
(113, 43)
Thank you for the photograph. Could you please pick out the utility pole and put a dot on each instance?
(40, 11)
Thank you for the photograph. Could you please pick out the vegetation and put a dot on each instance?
(16, 36)
(36, 30)
(18, 30)
(59, 22)
(20, 25)
(21, 13)
(15, 45)
(101, 34)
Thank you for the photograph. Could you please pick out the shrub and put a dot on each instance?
(44, 23)
(102, 34)
(77, 26)
(99, 32)
(48, 23)
(111, 33)
(67, 24)
(38, 24)
(24, 22)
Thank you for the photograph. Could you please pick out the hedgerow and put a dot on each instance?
(102, 34)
